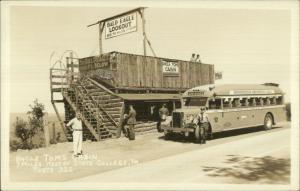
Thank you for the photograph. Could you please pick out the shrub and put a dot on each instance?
(15, 144)
(25, 131)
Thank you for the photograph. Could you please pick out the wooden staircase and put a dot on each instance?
(100, 108)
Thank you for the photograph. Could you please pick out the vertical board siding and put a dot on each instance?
(143, 71)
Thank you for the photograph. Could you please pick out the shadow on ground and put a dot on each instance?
(265, 169)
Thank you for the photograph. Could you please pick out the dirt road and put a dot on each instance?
(243, 156)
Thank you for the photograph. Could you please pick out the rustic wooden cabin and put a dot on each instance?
(128, 72)
(110, 82)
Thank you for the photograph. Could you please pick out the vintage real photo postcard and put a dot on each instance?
(141, 95)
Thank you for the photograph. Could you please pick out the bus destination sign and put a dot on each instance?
(196, 93)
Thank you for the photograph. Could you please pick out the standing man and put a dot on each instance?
(198, 58)
(193, 58)
(204, 126)
(131, 121)
(163, 113)
(76, 125)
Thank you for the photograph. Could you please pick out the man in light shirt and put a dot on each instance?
(198, 58)
(76, 125)
(193, 58)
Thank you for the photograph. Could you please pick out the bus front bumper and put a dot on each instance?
(178, 129)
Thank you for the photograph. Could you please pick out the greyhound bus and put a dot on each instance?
(209, 109)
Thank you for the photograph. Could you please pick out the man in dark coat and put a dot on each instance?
(163, 113)
(131, 121)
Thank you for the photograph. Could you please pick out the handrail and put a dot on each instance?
(82, 95)
(101, 86)
(85, 120)
(97, 104)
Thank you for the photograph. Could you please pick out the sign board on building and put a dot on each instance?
(121, 25)
(170, 68)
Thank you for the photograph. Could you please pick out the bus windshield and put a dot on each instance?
(195, 101)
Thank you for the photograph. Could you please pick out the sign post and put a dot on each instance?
(144, 32)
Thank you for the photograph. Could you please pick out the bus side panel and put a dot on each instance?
(279, 114)
(239, 118)
(243, 117)
(215, 119)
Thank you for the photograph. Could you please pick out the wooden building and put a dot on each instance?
(127, 72)
(107, 84)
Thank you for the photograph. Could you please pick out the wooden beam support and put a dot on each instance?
(59, 76)
(57, 89)
(59, 119)
(141, 11)
(59, 83)
(100, 37)
(58, 101)
(72, 65)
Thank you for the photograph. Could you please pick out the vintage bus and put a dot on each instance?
(209, 109)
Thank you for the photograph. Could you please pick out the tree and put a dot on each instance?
(27, 130)
(22, 131)
(35, 116)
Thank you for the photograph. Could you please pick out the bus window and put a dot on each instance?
(261, 102)
(227, 104)
(230, 104)
(195, 101)
(214, 104)
(253, 102)
(279, 100)
(237, 102)
(267, 101)
(245, 102)
(273, 102)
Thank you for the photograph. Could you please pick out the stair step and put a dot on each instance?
(112, 105)
(101, 102)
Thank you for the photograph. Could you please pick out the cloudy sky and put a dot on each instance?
(247, 45)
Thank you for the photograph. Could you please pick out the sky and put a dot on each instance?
(247, 45)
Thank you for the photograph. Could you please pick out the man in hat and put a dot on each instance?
(163, 113)
(76, 127)
(131, 121)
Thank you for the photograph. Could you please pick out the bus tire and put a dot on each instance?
(167, 135)
(268, 121)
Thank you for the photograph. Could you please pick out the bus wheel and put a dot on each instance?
(200, 134)
(268, 122)
(167, 134)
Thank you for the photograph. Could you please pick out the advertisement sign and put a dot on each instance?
(121, 25)
(170, 68)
